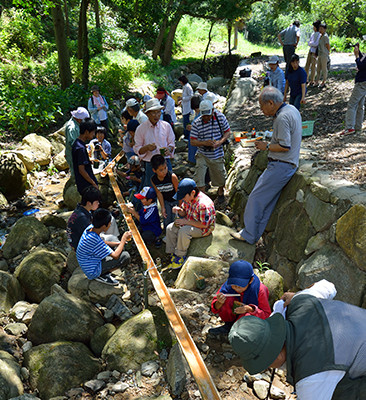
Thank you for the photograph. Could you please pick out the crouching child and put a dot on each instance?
(95, 257)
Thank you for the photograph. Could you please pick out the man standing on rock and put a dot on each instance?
(289, 38)
(209, 132)
(72, 131)
(283, 160)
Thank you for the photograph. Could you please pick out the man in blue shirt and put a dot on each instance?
(83, 171)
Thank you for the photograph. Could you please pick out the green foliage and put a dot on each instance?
(341, 44)
(262, 266)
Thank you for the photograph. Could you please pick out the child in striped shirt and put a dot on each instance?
(95, 257)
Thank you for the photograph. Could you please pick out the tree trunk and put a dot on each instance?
(62, 50)
(67, 21)
(229, 26)
(162, 31)
(167, 56)
(97, 14)
(208, 45)
(83, 34)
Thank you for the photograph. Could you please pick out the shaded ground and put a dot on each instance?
(344, 156)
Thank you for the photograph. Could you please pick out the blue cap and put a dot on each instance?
(185, 186)
(146, 193)
(240, 273)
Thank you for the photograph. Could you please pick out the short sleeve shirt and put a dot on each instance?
(295, 80)
(90, 252)
(322, 49)
(289, 35)
(80, 157)
(201, 209)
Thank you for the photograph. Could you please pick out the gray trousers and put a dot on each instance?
(109, 263)
(356, 107)
(179, 238)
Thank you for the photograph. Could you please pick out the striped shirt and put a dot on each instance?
(210, 131)
(90, 253)
(201, 209)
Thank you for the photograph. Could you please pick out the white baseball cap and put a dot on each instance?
(131, 102)
(206, 107)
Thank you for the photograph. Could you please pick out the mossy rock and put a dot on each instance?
(13, 176)
(26, 233)
(10, 378)
(101, 337)
(10, 291)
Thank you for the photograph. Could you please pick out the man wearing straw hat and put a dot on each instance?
(322, 341)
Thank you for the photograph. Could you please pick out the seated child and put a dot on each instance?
(148, 216)
(129, 138)
(99, 148)
(132, 177)
(197, 217)
(242, 294)
(95, 257)
(165, 184)
(125, 118)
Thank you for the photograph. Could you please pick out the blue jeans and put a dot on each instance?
(295, 101)
(263, 198)
(185, 123)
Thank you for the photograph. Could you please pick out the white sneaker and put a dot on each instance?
(107, 279)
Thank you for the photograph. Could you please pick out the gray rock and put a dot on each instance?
(244, 89)
(331, 263)
(10, 291)
(261, 389)
(120, 387)
(321, 214)
(94, 385)
(13, 176)
(196, 266)
(215, 83)
(16, 328)
(3, 265)
(148, 368)
(286, 269)
(212, 245)
(277, 393)
(54, 220)
(38, 272)
(26, 233)
(72, 261)
(27, 157)
(317, 242)
(58, 141)
(71, 195)
(176, 371)
(180, 145)
(10, 377)
(25, 396)
(59, 161)
(274, 282)
(185, 295)
(320, 191)
(39, 146)
(119, 308)
(101, 337)
(194, 78)
(24, 373)
(59, 366)
(135, 341)
(82, 287)
(62, 316)
(104, 375)
(223, 219)
(23, 311)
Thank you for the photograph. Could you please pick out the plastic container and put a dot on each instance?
(307, 128)
(31, 211)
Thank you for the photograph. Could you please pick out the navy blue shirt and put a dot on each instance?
(295, 79)
(361, 66)
(80, 157)
(150, 219)
(79, 220)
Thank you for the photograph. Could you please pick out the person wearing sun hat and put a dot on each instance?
(197, 217)
(241, 295)
(322, 342)
(154, 136)
(72, 132)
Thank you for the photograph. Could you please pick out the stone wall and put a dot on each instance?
(318, 228)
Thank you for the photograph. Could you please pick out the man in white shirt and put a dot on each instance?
(322, 342)
(133, 108)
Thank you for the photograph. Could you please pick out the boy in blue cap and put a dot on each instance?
(197, 219)
(148, 216)
(241, 295)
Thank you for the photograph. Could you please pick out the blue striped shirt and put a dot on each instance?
(210, 131)
(90, 253)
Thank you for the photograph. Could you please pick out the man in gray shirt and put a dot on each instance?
(283, 160)
(289, 38)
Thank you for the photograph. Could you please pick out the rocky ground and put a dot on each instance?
(344, 156)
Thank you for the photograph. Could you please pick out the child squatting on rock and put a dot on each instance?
(241, 295)
(95, 257)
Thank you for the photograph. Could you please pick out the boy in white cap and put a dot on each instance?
(133, 108)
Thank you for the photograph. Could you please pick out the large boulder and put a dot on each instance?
(96, 292)
(176, 370)
(331, 263)
(101, 337)
(351, 234)
(3, 201)
(59, 161)
(13, 176)
(136, 341)
(244, 89)
(58, 141)
(196, 267)
(10, 291)
(70, 194)
(220, 244)
(59, 366)
(26, 233)
(10, 377)
(39, 146)
(274, 282)
(27, 157)
(215, 83)
(38, 272)
(321, 214)
(62, 316)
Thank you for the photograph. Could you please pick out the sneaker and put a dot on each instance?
(107, 279)
(177, 262)
(348, 131)
(220, 330)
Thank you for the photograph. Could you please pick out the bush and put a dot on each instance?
(341, 44)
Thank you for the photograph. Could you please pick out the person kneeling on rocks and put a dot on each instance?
(94, 256)
(197, 219)
(241, 295)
